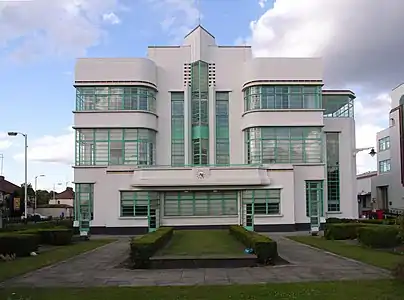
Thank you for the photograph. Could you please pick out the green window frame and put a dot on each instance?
(89, 98)
(200, 203)
(84, 201)
(266, 201)
(222, 129)
(136, 204)
(283, 145)
(384, 166)
(315, 191)
(177, 129)
(338, 106)
(384, 144)
(282, 97)
(333, 171)
(130, 146)
(200, 113)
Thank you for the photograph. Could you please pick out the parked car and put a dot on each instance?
(35, 217)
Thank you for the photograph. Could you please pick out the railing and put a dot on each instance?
(202, 166)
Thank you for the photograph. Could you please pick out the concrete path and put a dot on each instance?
(99, 268)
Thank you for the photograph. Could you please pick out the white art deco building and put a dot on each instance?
(201, 135)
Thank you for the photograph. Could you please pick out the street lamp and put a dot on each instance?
(36, 181)
(54, 192)
(13, 133)
(371, 153)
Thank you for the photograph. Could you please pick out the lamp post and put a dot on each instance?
(54, 192)
(36, 182)
(371, 153)
(2, 161)
(13, 133)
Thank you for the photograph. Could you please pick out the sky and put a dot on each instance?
(361, 43)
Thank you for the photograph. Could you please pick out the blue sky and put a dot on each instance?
(40, 39)
(37, 93)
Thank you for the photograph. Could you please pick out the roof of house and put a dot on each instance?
(66, 194)
(7, 186)
(366, 175)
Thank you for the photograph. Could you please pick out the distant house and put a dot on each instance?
(66, 197)
(7, 187)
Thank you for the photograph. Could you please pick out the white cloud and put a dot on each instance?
(30, 29)
(262, 3)
(112, 18)
(51, 149)
(5, 142)
(360, 51)
(180, 16)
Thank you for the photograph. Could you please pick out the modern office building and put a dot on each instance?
(387, 186)
(201, 135)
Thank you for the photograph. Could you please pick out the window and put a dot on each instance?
(115, 147)
(136, 204)
(84, 201)
(265, 201)
(200, 115)
(333, 173)
(384, 143)
(222, 128)
(283, 145)
(282, 97)
(200, 203)
(115, 98)
(177, 129)
(314, 198)
(384, 166)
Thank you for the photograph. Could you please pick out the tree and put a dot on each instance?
(43, 197)
(30, 191)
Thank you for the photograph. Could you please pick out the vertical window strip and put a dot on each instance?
(222, 129)
(333, 171)
(177, 129)
(84, 201)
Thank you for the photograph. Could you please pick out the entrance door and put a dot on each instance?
(154, 212)
(84, 219)
(248, 216)
(314, 203)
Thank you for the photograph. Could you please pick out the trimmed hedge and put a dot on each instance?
(363, 221)
(18, 244)
(57, 236)
(343, 231)
(379, 236)
(40, 225)
(264, 248)
(141, 249)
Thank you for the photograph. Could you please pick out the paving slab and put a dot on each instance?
(99, 268)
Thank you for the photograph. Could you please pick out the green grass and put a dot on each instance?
(373, 257)
(202, 243)
(24, 265)
(337, 290)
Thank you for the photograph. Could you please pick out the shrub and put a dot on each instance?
(141, 249)
(265, 248)
(339, 221)
(18, 244)
(342, 231)
(379, 236)
(57, 236)
(40, 225)
(398, 271)
(378, 221)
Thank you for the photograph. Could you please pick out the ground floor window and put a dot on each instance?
(136, 204)
(263, 202)
(314, 198)
(200, 203)
(84, 201)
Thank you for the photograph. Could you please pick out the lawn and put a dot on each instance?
(370, 256)
(27, 264)
(207, 243)
(337, 290)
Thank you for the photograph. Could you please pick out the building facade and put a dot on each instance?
(201, 135)
(364, 191)
(387, 186)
